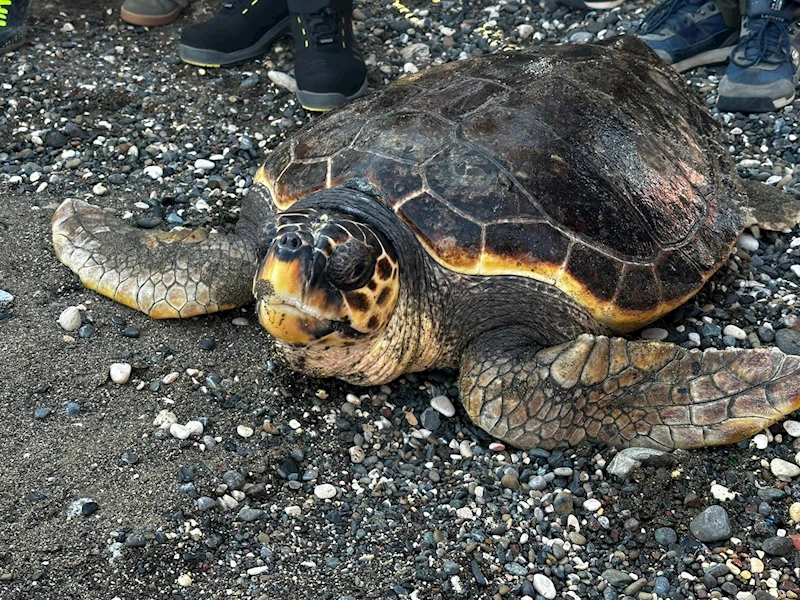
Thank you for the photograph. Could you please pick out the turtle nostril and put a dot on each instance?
(289, 241)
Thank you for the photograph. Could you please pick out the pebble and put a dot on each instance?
(592, 504)
(164, 419)
(179, 431)
(325, 491)
(629, 459)
(783, 469)
(747, 242)
(73, 408)
(357, 455)
(202, 163)
(544, 586)
(120, 373)
(70, 319)
(153, 171)
(666, 536)
(6, 300)
(777, 546)
(244, 431)
(656, 334)
(185, 580)
(616, 577)
(282, 80)
(42, 413)
(735, 332)
(721, 493)
(99, 189)
(248, 515)
(711, 525)
(195, 428)
(443, 405)
(761, 441)
(792, 428)
(788, 340)
(794, 512)
(82, 507)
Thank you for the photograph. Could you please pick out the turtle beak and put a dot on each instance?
(292, 305)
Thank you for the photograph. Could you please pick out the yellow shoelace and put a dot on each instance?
(4, 12)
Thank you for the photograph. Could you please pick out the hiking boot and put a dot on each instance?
(329, 67)
(591, 4)
(762, 74)
(688, 33)
(151, 13)
(13, 14)
(241, 31)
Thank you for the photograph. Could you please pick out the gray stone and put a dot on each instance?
(777, 546)
(625, 461)
(711, 525)
(616, 577)
(249, 515)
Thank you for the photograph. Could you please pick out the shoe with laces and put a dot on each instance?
(241, 31)
(688, 33)
(329, 67)
(762, 74)
(151, 13)
(13, 15)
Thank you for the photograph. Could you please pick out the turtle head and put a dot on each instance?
(326, 278)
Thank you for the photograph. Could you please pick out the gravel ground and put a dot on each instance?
(209, 471)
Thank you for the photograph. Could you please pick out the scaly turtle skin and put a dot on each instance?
(504, 215)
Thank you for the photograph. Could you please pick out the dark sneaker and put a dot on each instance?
(13, 14)
(151, 13)
(328, 67)
(762, 75)
(591, 4)
(688, 33)
(241, 31)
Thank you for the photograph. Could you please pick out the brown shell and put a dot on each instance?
(592, 168)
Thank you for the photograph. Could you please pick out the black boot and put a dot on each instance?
(241, 31)
(329, 67)
(13, 14)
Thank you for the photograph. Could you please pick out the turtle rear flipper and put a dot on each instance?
(174, 274)
(624, 393)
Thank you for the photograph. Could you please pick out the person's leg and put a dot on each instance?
(13, 15)
(329, 67)
(151, 13)
(689, 33)
(242, 30)
(763, 72)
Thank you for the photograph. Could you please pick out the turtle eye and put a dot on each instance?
(350, 265)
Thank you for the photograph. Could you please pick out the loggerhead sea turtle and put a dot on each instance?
(506, 215)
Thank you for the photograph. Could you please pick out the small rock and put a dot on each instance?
(761, 441)
(592, 504)
(747, 242)
(783, 469)
(357, 454)
(99, 189)
(794, 512)
(616, 577)
(629, 459)
(283, 80)
(153, 171)
(777, 546)
(41, 413)
(70, 319)
(666, 536)
(325, 491)
(443, 405)
(73, 408)
(120, 373)
(185, 580)
(792, 428)
(721, 493)
(788, 341)
(82, 507)
(735, 332)
(179, 431)
(164, 419)
(711, 525)
(244, 431)
(195, 428)
(205, 164)
(544, 586)
(656, 334)
(233, 479)
(248, 515)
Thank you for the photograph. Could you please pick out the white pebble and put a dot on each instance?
(292, 511)
(244, 431)
(205, 164)
(497, 447)
(241, 322)
(465, 449)
(325, 491)
(164, 419)
(525, 31)
(70, 319)
(170, 378)
(592, 504)
(257, 570)
(179, 431)
(655, 334)
(747, 242)
(153, 171)
(783, 469)
(228, 502)
(294, 424)
(795, 269)
(761, 441)
(195, 428)
(120, 373)
(465, 512)
(410, 68)
(792, 428)
(721, 493)
(283, 80)
(442, 405)
(734, 331)
(357, 455)
(773, 179)
(185, 580)
(543, 586)
(99, 190)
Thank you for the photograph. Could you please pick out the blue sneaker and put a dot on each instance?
(13, 14)
(762, 75)
(688, 33)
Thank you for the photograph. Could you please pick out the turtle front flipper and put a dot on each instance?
(624, 393)
(174, 274)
